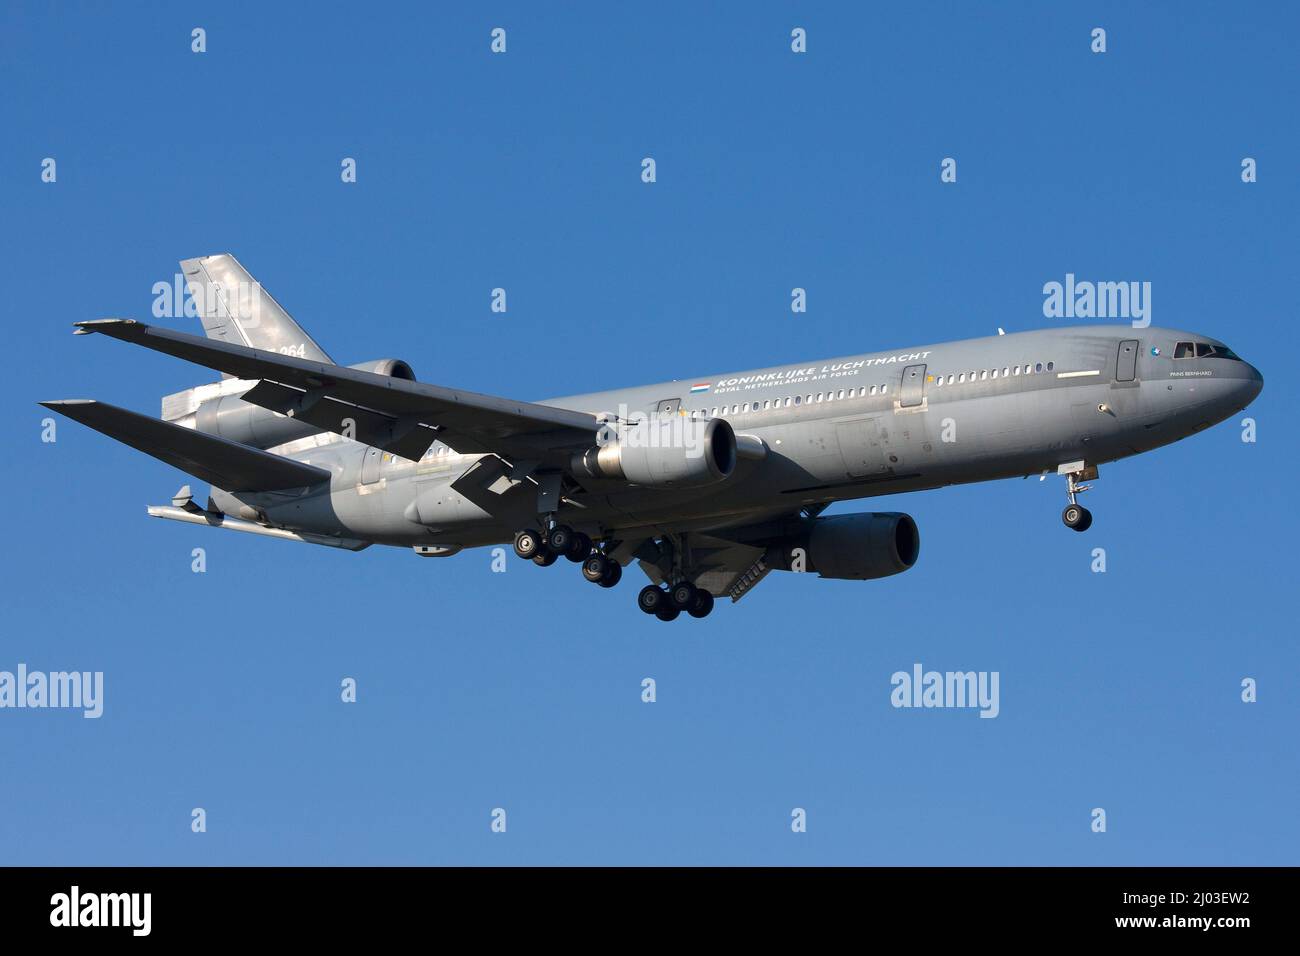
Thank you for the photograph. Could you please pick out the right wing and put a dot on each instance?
(392, 413)
(218, 461)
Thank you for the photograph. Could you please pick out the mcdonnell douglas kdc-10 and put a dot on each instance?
(709, 483)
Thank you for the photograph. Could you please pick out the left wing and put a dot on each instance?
(399, 415)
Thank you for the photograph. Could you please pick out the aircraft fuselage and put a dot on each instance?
(850, 427)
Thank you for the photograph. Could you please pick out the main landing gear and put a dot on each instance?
(1075, 515)
(546, 549)
(667, 603)
(678, 594)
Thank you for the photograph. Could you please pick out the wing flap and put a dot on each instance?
(218, 461)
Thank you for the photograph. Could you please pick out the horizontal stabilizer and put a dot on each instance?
(218, 461)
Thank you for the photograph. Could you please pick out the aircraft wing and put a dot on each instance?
(218, 461)
(399, 415)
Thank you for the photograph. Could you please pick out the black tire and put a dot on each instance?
(1086, 523)
(545, 558)
(1073, 515)
(595, 568)
(651, 598)
(667, 613)
(683, 595)
(528, 543)
(560, 539)
(612, 576)
(579, 548)
(703, 604)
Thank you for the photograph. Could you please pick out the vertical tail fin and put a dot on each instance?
(235, 308)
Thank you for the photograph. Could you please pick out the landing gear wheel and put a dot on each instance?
(595, 568)
(667, 613)
(612, 576)
(1077, 517)
(528, 543)
(560, 539)
(683, 595)
(652, 598)
(545, 558)
(703, 604)
(579, 547)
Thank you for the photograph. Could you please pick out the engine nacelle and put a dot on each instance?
(662, 452)
(393, 368)
(858, 547)
(237, 420)
(231, 417)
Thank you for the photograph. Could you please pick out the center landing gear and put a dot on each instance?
(599, 569)
(1075, 515)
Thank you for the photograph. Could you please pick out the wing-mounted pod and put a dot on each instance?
(661, 452)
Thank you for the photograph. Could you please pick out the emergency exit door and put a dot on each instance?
(370, 465)
(913, 391)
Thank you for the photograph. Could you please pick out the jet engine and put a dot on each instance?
(229, 416)
(393, 368)
(855, 547)
(662, 452)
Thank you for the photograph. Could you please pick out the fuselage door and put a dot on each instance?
(1126, 361)
(668, 407)
(370, 465)
(913, 386)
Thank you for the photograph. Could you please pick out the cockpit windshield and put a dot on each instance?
(1187, 350)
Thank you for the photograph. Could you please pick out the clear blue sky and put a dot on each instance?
(522, 690)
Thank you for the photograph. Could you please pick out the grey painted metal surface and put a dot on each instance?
(441, 469)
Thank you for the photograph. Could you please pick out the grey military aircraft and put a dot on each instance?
(708, 483)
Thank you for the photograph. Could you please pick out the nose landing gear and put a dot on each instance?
(1075, 515)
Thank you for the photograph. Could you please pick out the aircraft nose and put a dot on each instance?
(1253, 385)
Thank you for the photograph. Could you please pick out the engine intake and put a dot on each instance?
(662, 452)
(393, 368)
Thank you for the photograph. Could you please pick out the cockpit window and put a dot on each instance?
(1186, 350)
(1216, 351)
